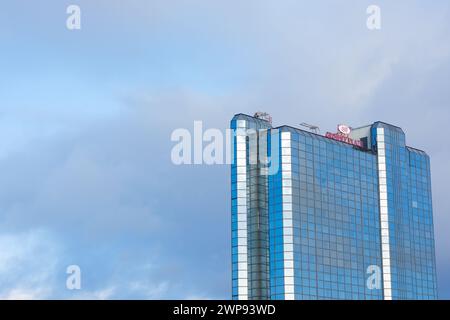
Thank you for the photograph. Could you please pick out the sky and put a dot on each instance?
(86, 117)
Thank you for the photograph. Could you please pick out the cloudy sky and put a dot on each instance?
(86, 116)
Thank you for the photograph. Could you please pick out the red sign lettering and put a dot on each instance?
(344, 138)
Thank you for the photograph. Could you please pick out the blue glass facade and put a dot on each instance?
(330, 216)
(249, 216)
(411, 236)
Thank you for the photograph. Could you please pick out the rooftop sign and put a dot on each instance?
(343, 136)
(344, 129)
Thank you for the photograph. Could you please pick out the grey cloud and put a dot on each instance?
(112, 196)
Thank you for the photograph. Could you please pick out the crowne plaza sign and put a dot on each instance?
(343, 136)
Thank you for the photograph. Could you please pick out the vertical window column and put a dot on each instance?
(288, 238)
(241, 168)
(384, 214)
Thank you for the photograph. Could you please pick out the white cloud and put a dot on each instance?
(26, 294)
(102, 294)
(28, 265)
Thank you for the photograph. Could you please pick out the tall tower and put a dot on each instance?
(347, 215)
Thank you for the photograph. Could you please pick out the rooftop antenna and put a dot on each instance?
(311, 127)
(263, 116)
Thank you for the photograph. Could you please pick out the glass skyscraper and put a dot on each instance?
(346, 215)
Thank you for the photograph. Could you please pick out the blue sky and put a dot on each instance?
(86, 118)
